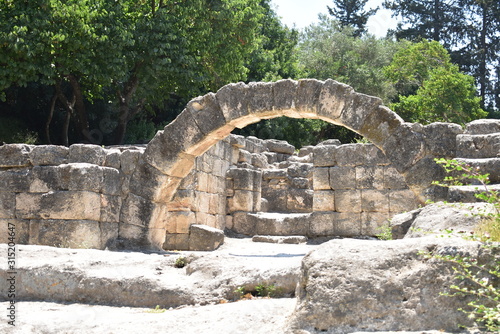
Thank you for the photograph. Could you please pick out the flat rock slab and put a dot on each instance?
(146, 280)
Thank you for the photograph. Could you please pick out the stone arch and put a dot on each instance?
(170, 155)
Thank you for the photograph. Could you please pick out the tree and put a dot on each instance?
(431, 88)
(350, 13)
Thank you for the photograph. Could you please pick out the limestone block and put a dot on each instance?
(48, 178)
(220, 222)
(324, 200)
(342, 178)
(482, 126)
(112, 181)
(207, 114)
(183, 200)
(393, 179)
(269, 174)
(215, 184)
(229, 222)
(357, 109)
(92, 154)
(351, 155)
(129, 160)
(303, 170)
(149, 183)
(276, 200)
(299, 183)
(15, 180)
(284, 94)
(237, 141)
(66, 233)
(370, 177)
(260, 96)
(110, 208)
(272, 223)
(259, 160)
(83, 176)
(42, 155)
(330, 142)
(321, 224)
(229, 187)
(234, 103)
(299, 200)
(478, 146)
(7, 205)
(372, 222)
(405, 146)
(374, 200)
(324, 156)
(264, 204)
(205, 238)
(348, 200)
(332, 99)
(66, 205)
(423, 173)
(307, 97)
(321, 178)
(202, 201)
(109, 235)
(112, 159)
(15, 155)
(245, 156)
(202, 184)
(241, 201)
(182, 220)
(254, 145)
(380, 124)
(347, 224)
(243, 178)
(20, 228)
(402, 201)
(279, 146)
(243, 223)
(374, 156)
(176, 241)
(305, 150)
(257, 201)
(441, 138)
(136, 210)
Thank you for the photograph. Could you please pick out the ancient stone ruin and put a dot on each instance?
(194, 179)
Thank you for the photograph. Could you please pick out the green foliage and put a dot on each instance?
(431, 88)
(13, 130)
(157, 309)
(265, 290)
(181, 262)
(385, 232)
(350, 13)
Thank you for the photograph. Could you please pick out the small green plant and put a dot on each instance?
(157, 309)
(265, 290)
(180, 262)
(385, 232)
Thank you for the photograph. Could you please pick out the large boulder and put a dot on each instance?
(350, 285)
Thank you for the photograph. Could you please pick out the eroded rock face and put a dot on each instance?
(361, 285)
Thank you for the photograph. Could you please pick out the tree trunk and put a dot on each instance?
(82, 123)
(49, 119)
(69, 107)
(124, 98)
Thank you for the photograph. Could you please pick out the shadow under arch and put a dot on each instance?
(170, 155)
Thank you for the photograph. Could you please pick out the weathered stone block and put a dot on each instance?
(321, 178)
(299, 200)
(483, 126)
(324, 200)
(136, 210)
(370, 177)
(332, 99)
(260, 95)
(241, 201)
(402, 200)
(325, 156)
(48, 178)
(205, 238)
(357, 108)
(374, 200)
(441, 138)
(112, 181)
(15, 180)
(208, 115)
(271, 223)
(66, 233)
(133, 237)
(109, 235)
(269, 174)
(372, 222)
(300, 183)
(284, 94)
(15, 155)
(307, 97)
(112, 159)
(374, 156)
(302, 170)
(279, 146)
(342, 178)
(234, 103)
(478, 146)
(176, 242)
(7, 205)
(243, 223)
(110, 208)
(182, 220)
(202, 201)
(348, 200)
(276, 199)
(149, 183)
(347, 224)
(380, 125)
(243, 178)
(19, 229)
(129, 160)
(259, 160)
(42, 155)
(245, 156)
(393, 179)
(83, 176)
(321, 224)
(405, 146)
(92, 154)
(183, 200)
(350, 155)
(66, 205)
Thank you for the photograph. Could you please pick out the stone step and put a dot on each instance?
(467, 194)
(483, 126)
(478, 146)
(489, 166)
(280, 224)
